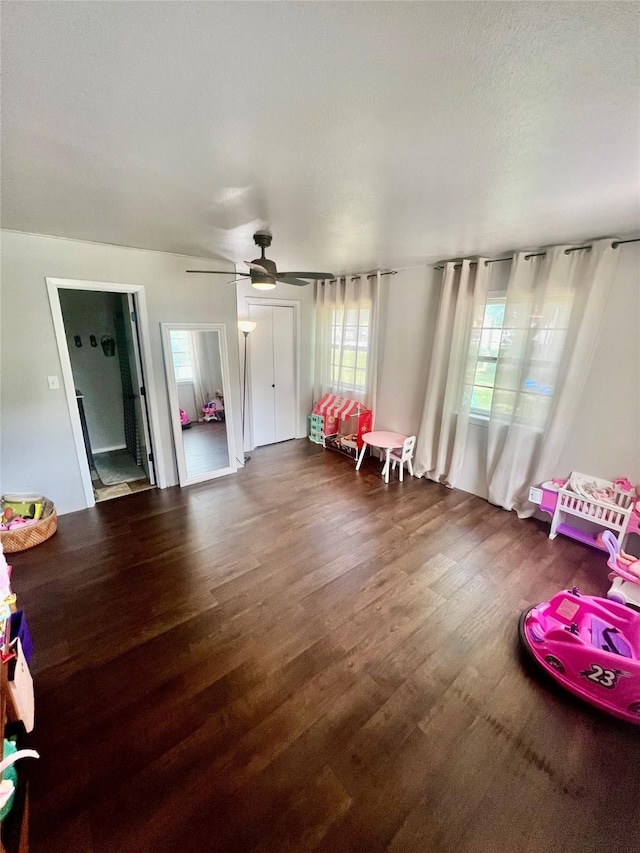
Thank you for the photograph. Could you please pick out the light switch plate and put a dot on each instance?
(54, 383)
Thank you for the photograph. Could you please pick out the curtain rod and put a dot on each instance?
(356, 277)
(614, 245)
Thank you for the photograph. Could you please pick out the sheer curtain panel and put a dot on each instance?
(552, 316)
(347, 338)
(443, 429)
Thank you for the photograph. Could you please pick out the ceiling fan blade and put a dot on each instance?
(312, 275)
(257, 268)
(214, 272)
(289, 279)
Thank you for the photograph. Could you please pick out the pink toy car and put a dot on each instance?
(591, 647)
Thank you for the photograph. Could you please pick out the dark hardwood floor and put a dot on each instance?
(205, 447)
(301, 658)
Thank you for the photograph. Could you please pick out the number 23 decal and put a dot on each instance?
(604, 677)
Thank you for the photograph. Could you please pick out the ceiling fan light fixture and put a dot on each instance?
(263, 272)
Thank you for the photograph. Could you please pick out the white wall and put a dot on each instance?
(37, 448)
(187, 400)
(604, 438)
(87, 313)
(292, 293)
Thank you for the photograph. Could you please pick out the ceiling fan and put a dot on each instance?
(264, 273)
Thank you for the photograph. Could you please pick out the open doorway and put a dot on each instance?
(102, 341)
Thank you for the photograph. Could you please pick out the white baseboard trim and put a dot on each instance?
(108, 449)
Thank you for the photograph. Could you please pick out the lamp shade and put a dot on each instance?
(246, 325)
(263, 285)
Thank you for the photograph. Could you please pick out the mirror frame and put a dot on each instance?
(172, 388)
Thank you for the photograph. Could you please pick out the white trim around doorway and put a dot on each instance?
(53, 286)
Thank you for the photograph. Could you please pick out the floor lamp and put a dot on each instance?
(245, 326)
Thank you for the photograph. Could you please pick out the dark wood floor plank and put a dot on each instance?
(301, 657)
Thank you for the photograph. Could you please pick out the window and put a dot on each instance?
(181, 353)
(529, 343)
(349, 349)
(489, 347)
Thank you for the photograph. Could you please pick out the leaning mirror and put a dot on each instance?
(195, 358)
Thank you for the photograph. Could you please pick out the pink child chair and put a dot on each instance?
(402, 455)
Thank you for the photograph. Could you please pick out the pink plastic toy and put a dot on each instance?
(604, 504)
(591, 647)
(625, 573)
(625, 565)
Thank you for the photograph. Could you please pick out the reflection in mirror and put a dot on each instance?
(197, 392)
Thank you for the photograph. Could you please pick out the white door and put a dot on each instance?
(272, 364)
(263, 418)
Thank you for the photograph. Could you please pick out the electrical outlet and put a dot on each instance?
(54, 383)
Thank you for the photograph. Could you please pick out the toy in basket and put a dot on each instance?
(26, 521)
(590, 647)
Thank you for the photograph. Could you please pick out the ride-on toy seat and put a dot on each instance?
(591, 647)
(625, 573)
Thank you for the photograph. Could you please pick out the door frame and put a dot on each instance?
(277, 303)
(53, 286)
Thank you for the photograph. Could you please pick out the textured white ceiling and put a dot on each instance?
(361, 133)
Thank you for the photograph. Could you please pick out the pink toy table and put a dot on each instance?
(386, 441)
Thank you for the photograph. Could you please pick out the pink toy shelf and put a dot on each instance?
(605, 504)
(341, 422)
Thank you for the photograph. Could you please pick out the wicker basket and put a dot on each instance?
(34, 534)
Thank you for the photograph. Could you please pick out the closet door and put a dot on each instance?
(272, 363)
(262, 376)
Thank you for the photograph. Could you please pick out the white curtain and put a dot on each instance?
(198, 365)
(204, 349)
(552, 316)
(443, 429)
(346, 352)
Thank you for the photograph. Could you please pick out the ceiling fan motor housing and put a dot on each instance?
(263, 239)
